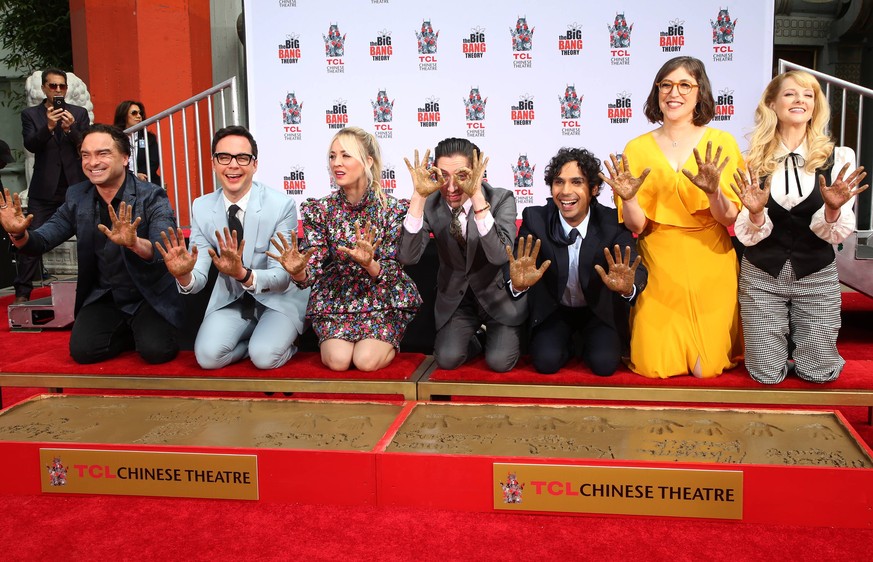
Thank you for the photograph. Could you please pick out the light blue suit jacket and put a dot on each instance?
(268, 212)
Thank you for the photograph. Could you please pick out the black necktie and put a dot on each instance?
(455, 228)
(556, 232)
(234, 223)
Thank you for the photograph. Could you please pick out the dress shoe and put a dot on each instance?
(21, 299)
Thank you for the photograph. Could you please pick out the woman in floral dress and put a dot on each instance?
(361, 300)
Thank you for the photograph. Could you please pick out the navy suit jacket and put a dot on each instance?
(604, 231)
(53, 150)
(79, 216)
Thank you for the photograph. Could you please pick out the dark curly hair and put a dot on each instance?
(704, 111)
(587, 162)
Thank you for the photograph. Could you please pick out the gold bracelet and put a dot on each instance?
(483, 209)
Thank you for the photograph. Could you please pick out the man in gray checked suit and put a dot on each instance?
(472, 224)
(254, 308)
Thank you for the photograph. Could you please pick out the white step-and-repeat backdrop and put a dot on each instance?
(518, 78)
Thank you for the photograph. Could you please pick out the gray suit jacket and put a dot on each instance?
(484, 268)
(267, 213)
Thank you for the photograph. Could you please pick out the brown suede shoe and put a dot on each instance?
(21, 299)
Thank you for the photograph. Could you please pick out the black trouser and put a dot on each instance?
(101, 331)
(551, 344)
(28, 266)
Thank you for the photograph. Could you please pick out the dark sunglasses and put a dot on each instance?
(53, 86)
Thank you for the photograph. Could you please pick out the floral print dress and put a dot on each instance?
(346, 303)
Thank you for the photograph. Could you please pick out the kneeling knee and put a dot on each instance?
(155, 355)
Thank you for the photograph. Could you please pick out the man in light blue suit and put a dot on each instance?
(254, 309)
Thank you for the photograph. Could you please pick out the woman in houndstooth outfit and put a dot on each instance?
(797, 205)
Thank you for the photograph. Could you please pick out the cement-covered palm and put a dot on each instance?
(708, 177)
(620, 179)
(523, 270)
(425, 179)
(842, 189)
(123, 231)
(620, 278)
(177, 258)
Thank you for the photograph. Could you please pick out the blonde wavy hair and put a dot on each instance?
(765, 138)
(360, 144)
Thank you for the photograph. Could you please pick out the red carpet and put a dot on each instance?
(115, 528)
(131, 528)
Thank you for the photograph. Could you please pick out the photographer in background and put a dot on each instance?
(52, 131)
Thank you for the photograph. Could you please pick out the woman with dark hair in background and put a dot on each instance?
(127, 114)
(672, 188)
(798, 203)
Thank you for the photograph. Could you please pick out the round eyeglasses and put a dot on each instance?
(666, 87)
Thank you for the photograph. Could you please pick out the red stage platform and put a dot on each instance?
(790, 467)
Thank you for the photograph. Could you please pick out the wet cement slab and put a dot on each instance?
(201, 422)
(623, 433)
(801, 438)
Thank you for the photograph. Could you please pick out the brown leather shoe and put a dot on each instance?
(21, 299)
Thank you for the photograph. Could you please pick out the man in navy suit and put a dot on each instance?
(584, 289)
(254, 309)
(53, 134)
(124, 296)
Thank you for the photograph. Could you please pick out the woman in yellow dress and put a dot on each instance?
(672, 188)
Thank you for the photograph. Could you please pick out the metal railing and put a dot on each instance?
(864, 219)
(189, 127)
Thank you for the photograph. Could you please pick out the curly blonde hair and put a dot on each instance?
(765, 138)
(360, 144)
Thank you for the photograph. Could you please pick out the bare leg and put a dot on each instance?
(336, 354)
(372, 355)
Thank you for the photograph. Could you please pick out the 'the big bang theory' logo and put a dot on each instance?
(427, 46)
(620, 111)
(429, 115)
(620, 40)
(337, 116)
(294, 182)
(383, 115)
(522, 44)
(474, 46)
(292, 117)
(724, 105)
(522, 180)
(289, 51)
(389, 179)
(381, 49)
(571, 111)
(571, 42)
(475, 112)
(672, 40)
(523, 112)
(334, 49)
(723, 36)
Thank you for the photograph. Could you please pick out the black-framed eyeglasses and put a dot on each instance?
(53, 86)
(243, 158)
(666, 86)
